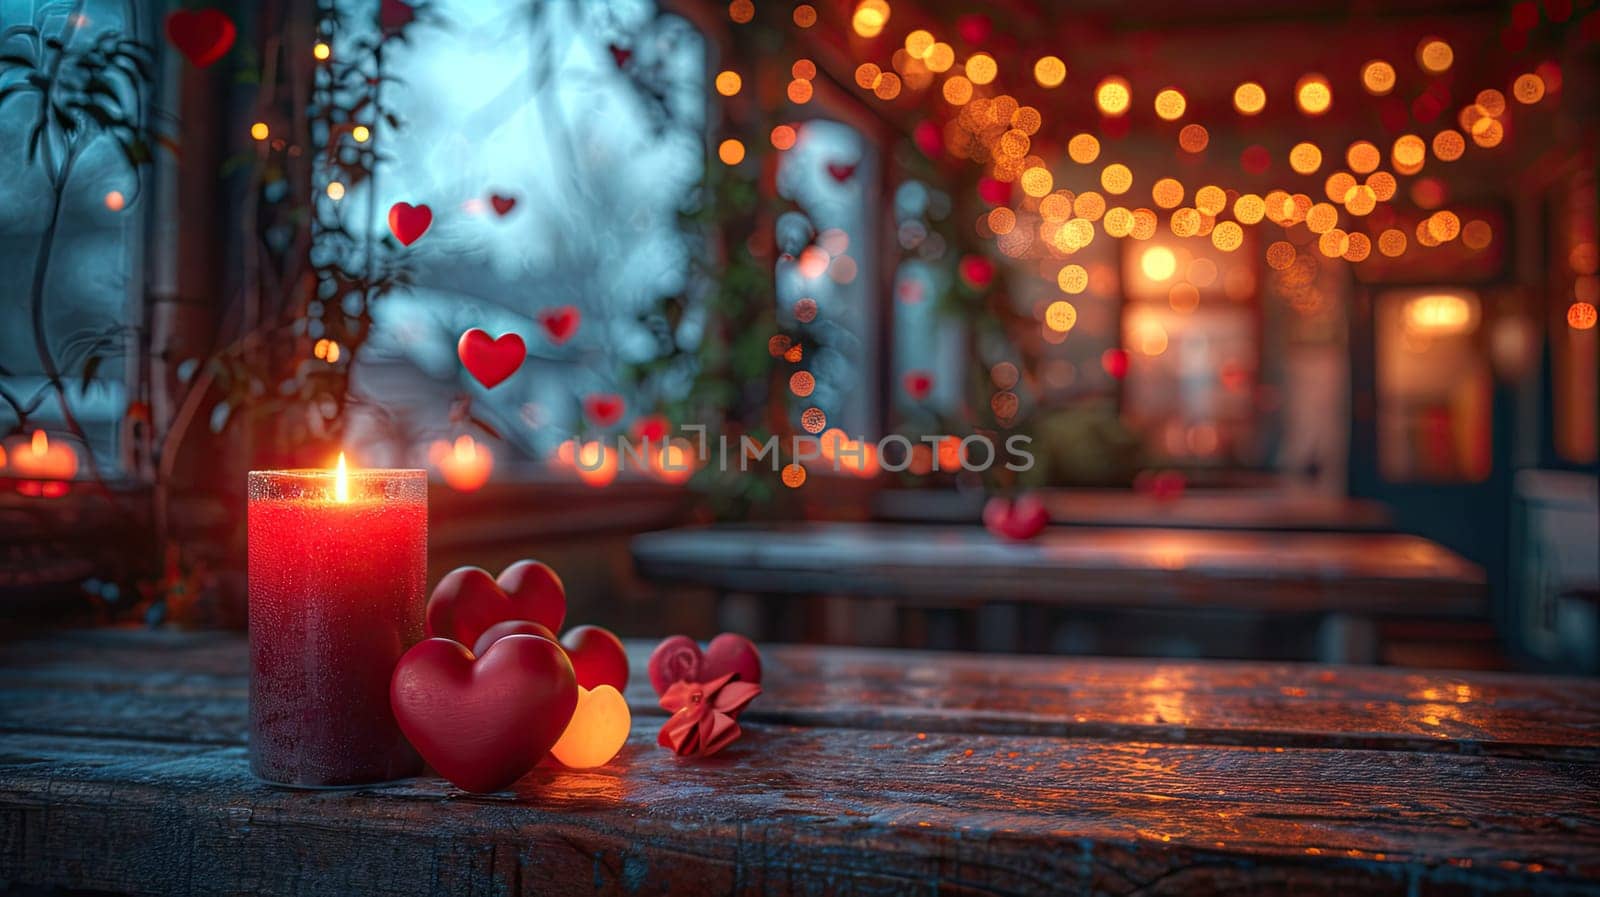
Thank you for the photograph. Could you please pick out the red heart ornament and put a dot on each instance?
(201, 35)
(502, 204)
(597, 657)
(1018, 520)
(489, 359)
(395, 15)
(604, 409)
(483, 723)
(918, 384)
(408, 222)
(679, 659)
(561, 322)
(651, 428)
(509, 627)
(840, 171)
(620, 55)
(467, 601)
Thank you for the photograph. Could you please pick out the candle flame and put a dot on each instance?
(341, 481)
(41, 443)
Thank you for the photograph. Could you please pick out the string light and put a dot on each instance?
(1378, 77)
(1313, 94)
(731, 152)
(1113, 96)
(335, 190)
(728, 83)
(260, 131)
(1170, 104)
(361, 133)
(1249, 98)
(1049, 71)
(321, 50)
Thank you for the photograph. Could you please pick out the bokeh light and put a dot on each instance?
(870, 17)
(1249, 98)
(1049, 71)
(1305, 158)
(728, 83)
(1167, 193)
(1378, 78)
(1060, 316)
(1083, 148)
(981, 68)
(731, 152)
(1170, 104)
(1313, 94)
(1116, 178)
(1113, 96)
(1193, 138)
(1434, 55)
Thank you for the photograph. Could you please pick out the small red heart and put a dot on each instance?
(509, 627)
(597, 656)
(918, 384)
(604, 409)
(484, 722)
(840, 171)
(491, 360)
(395, 15)
(620, 55)
(201, 35)
(561, 322)
(408, 222)
(467, 601)
(679, 659)
(502, 204)
(977, 271)
(1018, 520)
(652, 428)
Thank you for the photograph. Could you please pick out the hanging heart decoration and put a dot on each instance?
(409, 222)
(604, 409)
(840, 171)
(561, 322)
(201, 35)
(620, 55)
(502, 204)
(488, 359)
(918, 384)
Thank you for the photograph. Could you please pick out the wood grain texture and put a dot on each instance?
(151, 792)
(806, 811)
(192, 686)
(960, 566)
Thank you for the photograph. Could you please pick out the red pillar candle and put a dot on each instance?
(338, 567)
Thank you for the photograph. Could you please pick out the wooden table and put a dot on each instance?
(1259, 509)
(123, 768)
(1345, 580)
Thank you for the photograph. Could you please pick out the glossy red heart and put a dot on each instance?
(620, 55)
(679, 659)
(604, 409)
(502, 204)
(840, 171)
(510, 627)
(409, 222)
(491, 359)
(484, 722)
(1018, 520)
(918, 384)
(561, 322)
(467, 601)
(597, 657)
(201, 35)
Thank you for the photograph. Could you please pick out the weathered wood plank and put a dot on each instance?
(1310, 573)
(806, 811)
(162, 685)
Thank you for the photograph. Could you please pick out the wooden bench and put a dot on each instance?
(123, 769)
(1346, 581)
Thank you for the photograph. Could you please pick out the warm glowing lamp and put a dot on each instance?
(596, 464)
(1442, 314)
(1158, 263)
(464, 464)
(41, 459)
(598, 729)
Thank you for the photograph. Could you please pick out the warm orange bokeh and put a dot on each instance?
(598, 729)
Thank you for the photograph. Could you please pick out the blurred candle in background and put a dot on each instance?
(337, 571)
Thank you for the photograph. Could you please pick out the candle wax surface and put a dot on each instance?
(336, 597)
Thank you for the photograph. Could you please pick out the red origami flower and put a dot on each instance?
(703, 719)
